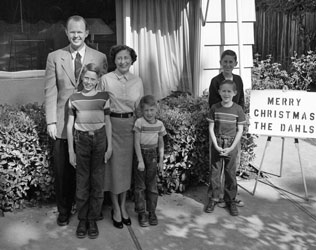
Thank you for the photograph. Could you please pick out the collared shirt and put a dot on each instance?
(73, 52)
(125, 91)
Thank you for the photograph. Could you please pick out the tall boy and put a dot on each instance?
(149, 146)
(228, 62)
(226, 127)
(89, 133)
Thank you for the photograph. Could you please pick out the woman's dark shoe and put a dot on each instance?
(117, 224)
(127, 221)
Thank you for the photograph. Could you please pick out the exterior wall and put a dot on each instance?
(221, 32)
(22, 87)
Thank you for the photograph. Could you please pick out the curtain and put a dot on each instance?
(163, 37)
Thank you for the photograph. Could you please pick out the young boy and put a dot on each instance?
(228, 62)
(149, 146)
(226, 127)
(89, 128)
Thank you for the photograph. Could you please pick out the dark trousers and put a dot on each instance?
(229, 164)
(146, 191)
(65, 177)
(90, 150)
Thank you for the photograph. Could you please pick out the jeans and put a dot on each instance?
(146, 191)
(90, 149)
(229, 164)
(65, 177)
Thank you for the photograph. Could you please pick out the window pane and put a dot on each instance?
(29, 32)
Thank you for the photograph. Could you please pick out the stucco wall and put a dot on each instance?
(22, 87)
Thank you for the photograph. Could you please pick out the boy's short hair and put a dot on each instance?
(91, 67)
(230, 82)
(149, 100)
(229, 53)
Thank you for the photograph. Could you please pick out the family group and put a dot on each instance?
(101, 122)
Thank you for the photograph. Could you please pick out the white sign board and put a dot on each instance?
(283, 113)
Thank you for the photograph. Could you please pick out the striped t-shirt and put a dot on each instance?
(149, 133)
(89, 111)
(227, 119)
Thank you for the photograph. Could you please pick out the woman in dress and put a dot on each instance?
(126, 90)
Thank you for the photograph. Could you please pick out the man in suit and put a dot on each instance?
(62, 78)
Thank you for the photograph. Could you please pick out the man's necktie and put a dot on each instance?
(77, 65)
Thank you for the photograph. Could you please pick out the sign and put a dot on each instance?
(289, 113)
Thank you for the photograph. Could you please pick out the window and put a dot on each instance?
(30, 29)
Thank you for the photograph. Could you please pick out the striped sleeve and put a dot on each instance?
(162, 131)
(241, 120)
(137, 125)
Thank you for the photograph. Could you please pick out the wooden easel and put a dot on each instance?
(296, 142)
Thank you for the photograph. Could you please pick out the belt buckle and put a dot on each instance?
(90, 133)
(129, 115)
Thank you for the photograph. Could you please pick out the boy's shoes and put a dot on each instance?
(62, 219)
(153, 220)
(81, 231)
(233, 208)
(210, 206)
(93, 231)
(239, 203)
(221, 203)
(143, 220)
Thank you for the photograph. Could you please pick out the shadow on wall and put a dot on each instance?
(22, 87)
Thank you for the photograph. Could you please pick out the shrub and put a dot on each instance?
(301, 75)
(25, 156)
(186, 142)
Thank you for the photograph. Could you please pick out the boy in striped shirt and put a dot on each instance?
(149, 147)
(226, 127)
(89, 134)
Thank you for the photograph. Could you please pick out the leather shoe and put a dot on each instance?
(117, 224)
(93, 230)
(143, 220)
(81, 231)
(210, 206)
(62, 219)
(153, 220)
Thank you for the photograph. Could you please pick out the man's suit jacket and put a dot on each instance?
(60, 83)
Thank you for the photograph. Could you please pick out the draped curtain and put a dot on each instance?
(163, 37)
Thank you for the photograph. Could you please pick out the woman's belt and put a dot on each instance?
(122, 115)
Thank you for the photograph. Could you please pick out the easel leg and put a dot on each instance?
(261, 162)
(282, 155)
(302, 170)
